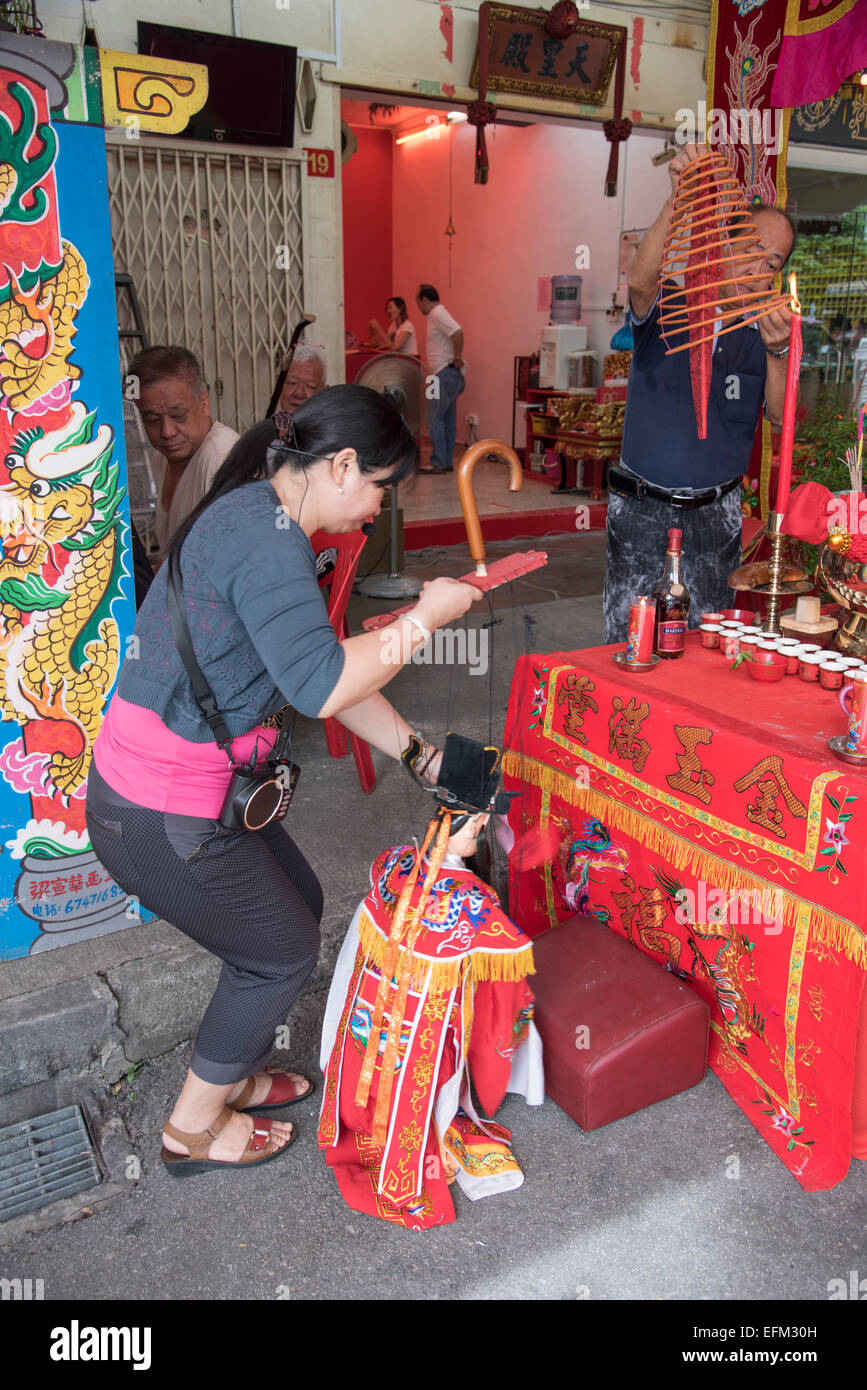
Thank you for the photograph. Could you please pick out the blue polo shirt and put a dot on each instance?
(660, 436)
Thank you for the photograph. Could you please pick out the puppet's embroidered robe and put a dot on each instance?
(467, 1013)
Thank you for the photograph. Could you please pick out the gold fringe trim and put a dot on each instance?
(835, 932)
(442, 976)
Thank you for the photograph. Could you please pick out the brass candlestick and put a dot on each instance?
(777, 590)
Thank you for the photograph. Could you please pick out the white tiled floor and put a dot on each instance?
(432, 497)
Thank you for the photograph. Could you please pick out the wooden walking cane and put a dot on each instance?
(484, 576)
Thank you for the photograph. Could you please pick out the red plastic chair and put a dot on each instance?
(339, 583)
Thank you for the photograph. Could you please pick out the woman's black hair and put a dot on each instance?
(401, 306)
(340, 417)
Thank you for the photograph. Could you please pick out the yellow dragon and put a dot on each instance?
(646, 920)
(58, 510)
(37, 328)
(59, 644)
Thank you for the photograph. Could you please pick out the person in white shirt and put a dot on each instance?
(400, 334)
(189, 446)
(444, 352)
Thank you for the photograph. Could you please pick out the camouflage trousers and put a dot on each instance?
(637, 535)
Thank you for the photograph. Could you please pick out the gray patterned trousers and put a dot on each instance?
(637, 535)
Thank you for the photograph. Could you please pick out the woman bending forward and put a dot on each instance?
(261, 635)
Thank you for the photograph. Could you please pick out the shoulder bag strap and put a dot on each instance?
(180, 628)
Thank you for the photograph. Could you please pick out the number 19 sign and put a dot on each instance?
(320, 164)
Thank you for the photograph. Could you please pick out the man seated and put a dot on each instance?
(430, 991)
(190, 445)
(307, 376)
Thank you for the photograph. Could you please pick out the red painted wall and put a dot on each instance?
(367, 230)
(544, 198)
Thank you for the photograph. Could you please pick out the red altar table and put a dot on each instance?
(701, 814)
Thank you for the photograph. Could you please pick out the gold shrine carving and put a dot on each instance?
(151, 94)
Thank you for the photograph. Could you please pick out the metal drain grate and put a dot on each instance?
(44, 1159)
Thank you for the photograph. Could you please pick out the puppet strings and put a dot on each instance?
(426, 720)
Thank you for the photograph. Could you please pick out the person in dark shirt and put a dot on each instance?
(668, 476)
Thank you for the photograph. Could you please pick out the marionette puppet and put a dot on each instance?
(430, 992)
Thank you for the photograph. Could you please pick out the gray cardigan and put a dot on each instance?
(257, 618)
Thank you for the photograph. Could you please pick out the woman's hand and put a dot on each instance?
(432, 771)
(444, 600)
(372, 658)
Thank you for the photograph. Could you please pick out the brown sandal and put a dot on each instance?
(261, 1147)
(276, 1098)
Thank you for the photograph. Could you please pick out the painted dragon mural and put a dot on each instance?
(64, 583)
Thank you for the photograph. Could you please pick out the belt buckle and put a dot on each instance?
(640, 488)
(680, 499)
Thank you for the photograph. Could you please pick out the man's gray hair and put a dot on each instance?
(313, 352)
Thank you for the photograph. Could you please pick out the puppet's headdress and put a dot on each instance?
(468, 783)
(469, 777)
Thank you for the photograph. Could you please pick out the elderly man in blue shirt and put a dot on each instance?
(667, 476)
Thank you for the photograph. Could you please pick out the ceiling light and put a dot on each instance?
(426, 132)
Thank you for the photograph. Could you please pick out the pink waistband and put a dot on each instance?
(149, 765)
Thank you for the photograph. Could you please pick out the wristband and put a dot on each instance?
(417, 758)
(420, 625)
(784, 352)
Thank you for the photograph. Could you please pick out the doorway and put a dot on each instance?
(214, 242)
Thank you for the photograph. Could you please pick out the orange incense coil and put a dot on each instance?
(711, 231)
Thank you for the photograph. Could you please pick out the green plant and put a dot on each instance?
(132, 1068)
(827, 435)
(822, 444)
(749, 495)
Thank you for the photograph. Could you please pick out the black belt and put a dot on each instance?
(640, 488)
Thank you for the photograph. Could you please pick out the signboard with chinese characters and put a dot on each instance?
(522, 57)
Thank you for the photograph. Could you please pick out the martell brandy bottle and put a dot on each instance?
(672, 603)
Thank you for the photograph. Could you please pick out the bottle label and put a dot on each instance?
(671, 635)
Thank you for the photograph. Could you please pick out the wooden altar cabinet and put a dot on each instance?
(701, 815)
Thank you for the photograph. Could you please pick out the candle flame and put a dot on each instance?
(793, 291)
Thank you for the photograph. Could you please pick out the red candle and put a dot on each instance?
(793, 372)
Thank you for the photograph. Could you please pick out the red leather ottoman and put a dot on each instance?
(645, 1032)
